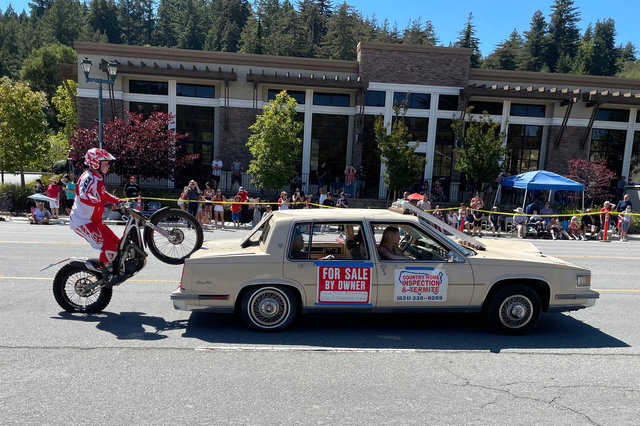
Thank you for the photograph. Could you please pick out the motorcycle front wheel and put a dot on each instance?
(69, 290)
(185, 236)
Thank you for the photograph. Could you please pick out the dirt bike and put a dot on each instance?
(85, 285)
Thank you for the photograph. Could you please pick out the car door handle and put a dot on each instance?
(384, 269)
(300, 265)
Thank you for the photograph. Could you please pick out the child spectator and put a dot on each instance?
(557, 231)
(283, 201)
(574, 229)
(235, 210)
(452, 218)
(625, 224)
(477, 222)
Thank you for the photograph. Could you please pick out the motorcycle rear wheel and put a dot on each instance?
(185, 236)
(70, 281)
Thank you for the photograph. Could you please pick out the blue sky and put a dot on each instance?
(494, 19)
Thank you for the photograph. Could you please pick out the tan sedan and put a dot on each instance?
(364, 260)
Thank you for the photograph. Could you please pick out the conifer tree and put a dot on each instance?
(563, 36)
(535, 44)
(469, 40)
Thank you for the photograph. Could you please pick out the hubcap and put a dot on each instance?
(268, 307)
(516, 311)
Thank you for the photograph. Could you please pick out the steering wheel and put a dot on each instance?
(404, 244)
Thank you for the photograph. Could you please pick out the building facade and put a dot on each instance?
(215, 97)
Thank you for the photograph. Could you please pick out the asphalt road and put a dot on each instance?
(143, 362)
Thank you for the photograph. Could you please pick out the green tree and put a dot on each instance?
(419, 33)
(228, 18)
(482, 151)
(630, 69)
(137, 21)
(103, 17)
(402, 167)
(535, 45)
(274, 143)
(340, 42)
(23, 127)
(564, 34)
(62, 23)
(65, 104)
(468, 39)
(604, 51)
(508, 54)
(41, 67)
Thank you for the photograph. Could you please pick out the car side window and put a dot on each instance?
(338, 241)
(406, 242)
(299, 243)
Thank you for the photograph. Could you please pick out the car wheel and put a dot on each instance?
(269, 308)
(514, 310)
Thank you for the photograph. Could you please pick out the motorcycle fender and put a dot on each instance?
(92, 264)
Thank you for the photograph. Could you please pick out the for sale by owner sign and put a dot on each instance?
(344, 282)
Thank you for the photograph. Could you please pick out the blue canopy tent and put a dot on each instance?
(541, 179)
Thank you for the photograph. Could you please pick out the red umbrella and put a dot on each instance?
(415, 196)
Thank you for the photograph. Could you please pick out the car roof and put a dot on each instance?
(339, 214)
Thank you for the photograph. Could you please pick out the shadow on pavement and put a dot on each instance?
(127, 325)
(410, 331)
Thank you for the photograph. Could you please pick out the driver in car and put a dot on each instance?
(86, 215)
(388, 247)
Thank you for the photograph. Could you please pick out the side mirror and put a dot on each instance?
(453, 257)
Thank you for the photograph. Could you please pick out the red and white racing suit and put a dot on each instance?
(86, 215)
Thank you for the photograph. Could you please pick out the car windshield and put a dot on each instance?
(464, 250)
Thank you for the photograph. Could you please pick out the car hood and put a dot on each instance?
(516, 250)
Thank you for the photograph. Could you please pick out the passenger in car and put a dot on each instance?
(388, 248)
(297, 248)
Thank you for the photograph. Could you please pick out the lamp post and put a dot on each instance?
(112, 70)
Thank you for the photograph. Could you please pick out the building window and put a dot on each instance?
(198, 123)
(332, 99)
(196, 91)
(448, 102)
(418, 127)
(298, 95)
(638, 116)
(374, 98)
(414, 100)
(443, 154)
(608, 144)
(329, 144)
(524, 110)
(146, 108)
(149, 87)
(492, 108)
(609, 114)
(523, 148)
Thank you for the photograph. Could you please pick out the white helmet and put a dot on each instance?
(94, 156)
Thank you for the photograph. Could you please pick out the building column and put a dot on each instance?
(306, 138)
(628, 143)
(388, 117)
(171, 102)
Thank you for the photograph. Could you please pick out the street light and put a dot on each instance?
(112, 70)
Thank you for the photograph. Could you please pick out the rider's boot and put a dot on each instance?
(111, 278)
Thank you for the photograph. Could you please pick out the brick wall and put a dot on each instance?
(567, 149)
(414, 65)
(88, 111)
(234, 134)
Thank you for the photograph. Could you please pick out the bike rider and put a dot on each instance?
(86, 215)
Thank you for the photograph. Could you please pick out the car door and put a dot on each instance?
(432, 276)
(334, 265)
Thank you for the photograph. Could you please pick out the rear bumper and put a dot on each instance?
(201, 302)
